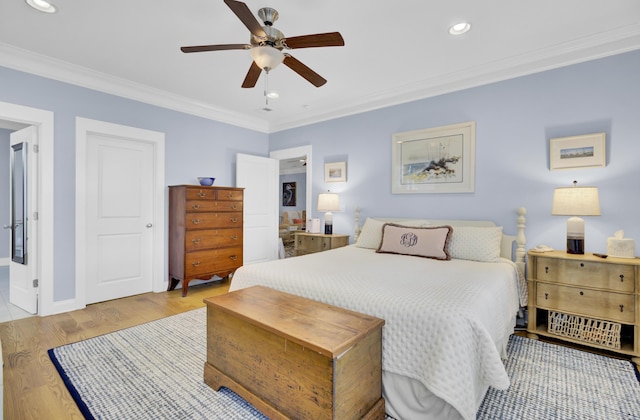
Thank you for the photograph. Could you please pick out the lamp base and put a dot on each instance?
(575, 246)
(328, 229)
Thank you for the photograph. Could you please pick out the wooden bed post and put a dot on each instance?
(356, 228)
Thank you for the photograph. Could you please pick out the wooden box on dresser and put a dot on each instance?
(205, 233)
(590, 293)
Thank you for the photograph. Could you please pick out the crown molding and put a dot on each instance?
(613, 42)
(40, 65)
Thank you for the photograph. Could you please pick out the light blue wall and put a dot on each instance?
(514, 121)
(194, 147)
(4, 192)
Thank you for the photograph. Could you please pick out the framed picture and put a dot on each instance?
(586, 151)
(434, 160)
(288, 194)
(335, 172)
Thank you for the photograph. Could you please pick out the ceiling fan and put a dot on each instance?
(267, 45)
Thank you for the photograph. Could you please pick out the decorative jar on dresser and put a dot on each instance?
(586, 300)
(205, 233)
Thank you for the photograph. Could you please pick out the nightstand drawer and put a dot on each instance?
(588, 302)
(598, 275)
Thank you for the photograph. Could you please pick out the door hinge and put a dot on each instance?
(35, 215)
(35, 283)
(36, 148)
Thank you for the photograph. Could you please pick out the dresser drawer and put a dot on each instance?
(212, 205)
(212, 238)
(212, 220)
(233, 195)
(592, 303)
(615, 277)
(212, 261)
(312, 243)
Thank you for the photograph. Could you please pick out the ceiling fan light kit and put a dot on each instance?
(267, 44)
(459, 28)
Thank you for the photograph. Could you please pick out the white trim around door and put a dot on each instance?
(43, 120)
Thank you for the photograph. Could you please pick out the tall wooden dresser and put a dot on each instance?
(205, 233)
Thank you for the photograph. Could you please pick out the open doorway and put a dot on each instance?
(8, 311)
(294, 194)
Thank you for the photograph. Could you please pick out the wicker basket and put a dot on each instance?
(589, 330)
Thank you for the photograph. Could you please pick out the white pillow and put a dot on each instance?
(476, 243)
(371, 233)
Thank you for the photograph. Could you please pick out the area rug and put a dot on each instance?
(154, 371)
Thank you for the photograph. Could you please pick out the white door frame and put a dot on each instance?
(295, 152)
(43, 120)
(84, 127)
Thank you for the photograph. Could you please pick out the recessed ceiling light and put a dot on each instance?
(272, 95)
(459, 28)
(42, 6)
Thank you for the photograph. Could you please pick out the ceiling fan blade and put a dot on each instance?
(304, 71)
(329, 39)
(244, 14)
(252, 76)
(202, 48)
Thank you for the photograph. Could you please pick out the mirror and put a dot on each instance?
(19, 203)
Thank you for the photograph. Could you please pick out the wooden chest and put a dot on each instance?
(309, 243)
(295, 358)
(205, 233)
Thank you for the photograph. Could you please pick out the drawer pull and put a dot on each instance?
(621, 308)
(621, 277)
(229, 195)
(546, 270)
(234, 237)
(234, 207)
(195, 221)
(233, 257)
(196, 240)
(202, 194)
(581, 293)
(195, 206)
(234, 219)
(546, 296)
(581, 264)
(196, 263)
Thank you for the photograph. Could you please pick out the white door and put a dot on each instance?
(259, 177)
(119, 212)
(23, 267)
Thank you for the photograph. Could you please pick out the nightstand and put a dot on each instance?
(585, 300)
(308, 243)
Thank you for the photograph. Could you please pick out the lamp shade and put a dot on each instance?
(328, 202)
(267, 57)
(576, 201)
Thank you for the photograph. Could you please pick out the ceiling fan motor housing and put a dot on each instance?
(268, 15)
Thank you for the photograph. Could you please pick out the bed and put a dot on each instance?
(448, 317)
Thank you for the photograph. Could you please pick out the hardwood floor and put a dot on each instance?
(32, 387)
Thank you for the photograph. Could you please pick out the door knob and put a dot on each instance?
(149, 225)
(6, 227)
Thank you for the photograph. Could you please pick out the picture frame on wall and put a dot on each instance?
(288, 194)
(577, 152)
(335, 172)
(434, 160)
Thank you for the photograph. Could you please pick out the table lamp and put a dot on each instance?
(575, 201)
(328, 202)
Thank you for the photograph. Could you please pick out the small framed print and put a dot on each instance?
(577, 152)
(335, 172)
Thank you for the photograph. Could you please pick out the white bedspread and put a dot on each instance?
(445, 321)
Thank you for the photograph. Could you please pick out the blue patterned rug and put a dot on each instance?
(154, 371)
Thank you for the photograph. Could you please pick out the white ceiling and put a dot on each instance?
(394, 51)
